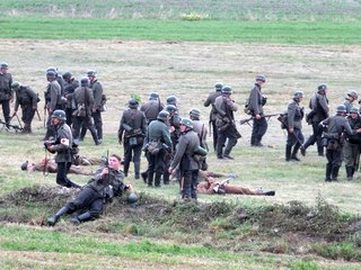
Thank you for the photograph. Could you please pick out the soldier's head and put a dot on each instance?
(16, 86)
(54, 69)
(58, 117)
(91, 75)
(260, 79)
(84, 82)
(67, 76)
(352, 95)
(114, 162)
(4, 68)
(163, 116)
(218, 86)
(322, 89)
(186, 124)
(171, 109)
(172, 100)
(298, 95)
(354, 112)
(226, 90)
(195, 114)
(50, 75)
(28, 166)
(341, 109)
(133, 104)
(153, 96)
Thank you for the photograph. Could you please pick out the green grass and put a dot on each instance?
(175, 30)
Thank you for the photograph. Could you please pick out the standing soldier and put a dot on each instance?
(184, 158)
(97, 88)
(133, 127)
(58, 78)
(152, 107)
(6, 94)
(28, 100)
(70, 84)
(157, 134)
(62, 146)
(213, 114)
(174, 123)
(351, 148)
(256, 101)
(84, 103)
(351, 96)
(319, 112)
(336, 126)
(52, 100)
(226, 126)
(294, 126)
(172, 100)
(199, 127)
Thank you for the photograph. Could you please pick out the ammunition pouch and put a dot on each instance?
(154, 147)
(283, 118)
(80, 111)
(333, 144)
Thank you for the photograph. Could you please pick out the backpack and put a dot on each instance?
(246, 107)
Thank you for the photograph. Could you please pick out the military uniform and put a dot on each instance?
(98, 108)
(225, 125)
(62, 146)
(52, 102)
(188, 165)
(213, 115)
(336, 126)
(6, 93)
(256, 101)
(351, 147)
(84, 104)
(158, 132)
(133, 127)
(319, 112)
(294, 129)
(151, 109)
(93, 196)
(70, 85)
(28, 100)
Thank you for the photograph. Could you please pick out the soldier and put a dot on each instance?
(351, 96)
(59, 79)
(62, 146)
(133, 127)
(184, 158)
(172, 100)
(213, 114)
(28, 100)
(256, 101)
(351, 148)
(97, 88)
(70, 84)
(294, 126)
(52, 101)
(336, 126)
(6, 93)
(84, 103)
(225, 123)
(102, 187)
(174, 123)
(199, 127)
(319, 112)
(159, 138)
(152, 107)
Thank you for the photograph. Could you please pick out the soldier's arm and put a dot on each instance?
(16, 103)
(208, 101)
(291, 110)
(347, 128)
(180, 150)
(53, 98)
(143, 125)
(232, 105)
(323, 103)
(166, 138)
(218, 106)
(98, 91)
(34, 98)
(253, 101)
(121, 129)
(91, 98)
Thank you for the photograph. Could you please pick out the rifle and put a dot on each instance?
(17, 117)
(38, 114)
(218, 188)
(44, 122)
(15, 127)
(247, 120)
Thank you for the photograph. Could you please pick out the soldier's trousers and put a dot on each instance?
(222, 138)
(189, 184)
(61, 176)
(132, 152)
(259, 129)
(85, 123)
(156, 165)
(295, 139)
(69, 116)
(334, 161)
(316, 137)
(215, 135)
(6, 110)
(27, 116)
(351, 155)
(98, 122)
(88, 199)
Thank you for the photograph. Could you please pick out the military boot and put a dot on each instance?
(55, 218)
(136, 170)
(144, 176)
(334, 173)
(328, 172)
(294, 152)
(158, 175)
(81, 218)
(320, 151)
(150, 178)
(126, 168)
(288, 152)
(349, 172)
(94, 136)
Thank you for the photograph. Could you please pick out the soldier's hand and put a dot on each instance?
(358, 130)
(290, 130)
(171, 170)
(258, 116)
(105, 171)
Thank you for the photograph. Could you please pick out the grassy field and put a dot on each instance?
(184, 48)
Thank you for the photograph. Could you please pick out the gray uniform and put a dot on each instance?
(351, 148)
(213, 115)
(151, 109)
(53, 102)
(6, 94)
(69, 88)
(28, 100)
(200, 128)
(294, 121)
(188, 165)
(98, 95)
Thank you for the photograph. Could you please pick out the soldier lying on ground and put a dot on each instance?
(50, 166)
(210, 185)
